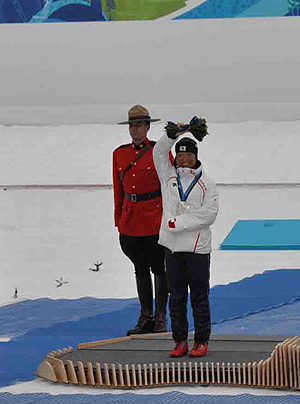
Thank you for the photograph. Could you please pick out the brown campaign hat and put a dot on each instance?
(138, 113)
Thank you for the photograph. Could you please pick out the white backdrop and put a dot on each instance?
(226, 70)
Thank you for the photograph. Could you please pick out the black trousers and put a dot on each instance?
(188, 270)
(145, 253)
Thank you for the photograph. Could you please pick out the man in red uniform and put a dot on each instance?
(138, 212)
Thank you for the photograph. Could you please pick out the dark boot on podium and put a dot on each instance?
(161, 300)
(145, 323)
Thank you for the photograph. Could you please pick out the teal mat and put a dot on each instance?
(283, 234)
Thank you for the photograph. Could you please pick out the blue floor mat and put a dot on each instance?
(252, 294)
(270, 289)
(283, 320)
(129, 398)
(281, 234)
(69, 322)
(18, 318)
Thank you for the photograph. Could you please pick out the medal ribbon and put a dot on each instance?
(184, 195)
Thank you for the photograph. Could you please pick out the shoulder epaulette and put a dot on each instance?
(123, 145)
(153, 143)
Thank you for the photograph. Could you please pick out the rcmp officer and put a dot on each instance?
(138, 212)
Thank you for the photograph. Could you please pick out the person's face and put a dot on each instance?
(186, 159)
(138, 131)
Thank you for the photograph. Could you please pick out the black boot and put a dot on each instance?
(161, 300)
(145, 322)
(144, 325)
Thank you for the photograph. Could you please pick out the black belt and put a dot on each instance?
(143, 197)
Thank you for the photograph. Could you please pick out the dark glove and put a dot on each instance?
(172, 129)
(198, 128)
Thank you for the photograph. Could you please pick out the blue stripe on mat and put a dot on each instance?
(18, 318)
(129, 398)
(283, 320)
(264, 291)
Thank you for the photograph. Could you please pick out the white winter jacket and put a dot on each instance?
(193, 218)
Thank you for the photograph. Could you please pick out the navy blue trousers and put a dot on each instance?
(185, 271)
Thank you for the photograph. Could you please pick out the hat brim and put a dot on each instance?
(138, 120)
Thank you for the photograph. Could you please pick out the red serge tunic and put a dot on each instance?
(141, 218)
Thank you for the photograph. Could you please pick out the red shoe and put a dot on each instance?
(198, 350)
(180, 349)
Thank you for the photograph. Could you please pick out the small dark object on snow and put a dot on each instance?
(60, 282)
(97, 265)
(16, 293)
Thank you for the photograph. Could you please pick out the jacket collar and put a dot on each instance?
(189, 172)
(141, 145)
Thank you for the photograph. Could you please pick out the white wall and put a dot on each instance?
(225, 70)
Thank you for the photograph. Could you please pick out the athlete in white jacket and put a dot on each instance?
(190, 206)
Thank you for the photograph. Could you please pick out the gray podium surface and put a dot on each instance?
(156, 349)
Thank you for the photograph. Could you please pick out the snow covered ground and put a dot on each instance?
(61, 230)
